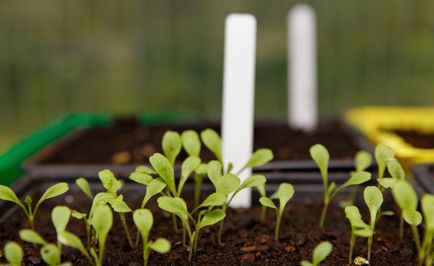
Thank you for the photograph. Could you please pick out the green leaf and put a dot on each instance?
(352, 213)
(363, 160)
(252, 181)
(176, 206)
(71, 240)
(226, 184)
(202, 169)
(54, 191)
(261, 190)
(78, 215)
(404, 195)
(358, 178)
(191, 142)
(164, 169)
(14, 253)
(259, 158)
(145, 170)
(321, 252)
(214, 171)
(306, 263)
(9, 195)
(395, 169)
(212, 141)
(382, 154)
(101, 198)
(427, 203)
(211, 218)
(109, 181)
(60, 217)
(84, 186)
(50, 254)
(364, 232)
(141, 178)
(172, 145)
(187, 168)
(119, 205)
(102, 221)
(143, 219)
(284, 193)
(412, 217)
(386, 182)
(32, 237)
(321, 157)
(156, 186)
(267, 202)
(373, 199)
(214, 199)
(161, 245)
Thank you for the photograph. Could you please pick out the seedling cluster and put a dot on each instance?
(190, 214)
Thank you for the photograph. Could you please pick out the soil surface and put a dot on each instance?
(247, 240)
(127, 142)
(417, 139)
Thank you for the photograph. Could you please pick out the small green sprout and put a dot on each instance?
(84, 186)
(321, 157)
(406, 198)
(102, 222)
(212, 141)
(8, 194)
(284, 193)
(383, 154)
(143, 219)
(262, 193)
(362, 160)
(320, 253)
(358, 228)
(206, 215)
(50, 253)
(373, 199)
(13, 253)
(258, 158)
(171, 145)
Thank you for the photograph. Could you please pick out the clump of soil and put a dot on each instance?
(128, 142)
(247, 240)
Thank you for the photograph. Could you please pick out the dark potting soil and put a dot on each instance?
(247, 240)
(127, 142)
(417, 139)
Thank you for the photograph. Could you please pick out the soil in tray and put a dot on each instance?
(127, 142)
(417, 139)
(248, 242)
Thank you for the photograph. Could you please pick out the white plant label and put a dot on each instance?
(302, 84)
(238, 96)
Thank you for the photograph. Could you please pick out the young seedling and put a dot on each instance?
(50, 253)
(373, 199)
(383, 154)
(102, 222)
(406, 198)
(262, 193)
(207, 215)
(427, 250)
(171, 145)
(320, 253)
(284, 193)
(143, 219)
(212, 141)
(321, 157)
(358, 228)
(229, 185)
(8, 194)
(13, 254)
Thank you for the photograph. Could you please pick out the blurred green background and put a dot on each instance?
(166, 55)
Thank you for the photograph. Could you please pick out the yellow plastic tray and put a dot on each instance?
(377, 123)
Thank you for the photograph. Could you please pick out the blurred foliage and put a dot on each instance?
(154, 55)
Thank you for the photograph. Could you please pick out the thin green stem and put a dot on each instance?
(197, 188)
(277, 228)
(416, 237)
(401, 227)
(146, 252)
(175, 223)
(369, 247)
(125, 226)
(323, 214)
(352, 243)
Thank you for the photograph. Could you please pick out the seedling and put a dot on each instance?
(373, 199)
(262, 193)
(143, 219)
(321, 157)
(102, 222)
(358, 228)
(229, 185)
(8, 194)
(207, 215)
(406, 198)
(284, 193)
(13, 253)
(427, 250)
(320, 253)
(383, 154)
